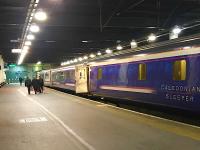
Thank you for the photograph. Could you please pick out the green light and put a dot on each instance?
(12, 65)
(36, 68)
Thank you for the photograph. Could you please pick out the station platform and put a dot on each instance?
(59, 121)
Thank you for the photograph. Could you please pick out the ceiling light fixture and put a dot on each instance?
(16, 50)
(26, 48)
(85, 41)
(176, 30)
(85, 57)
(119, 47)
(28, 43)
(92, 55)
(133, 44)
(39, 63)
(80, 59)
(30, 37)
(34, 28)
(108, 51)
(28, 27)
(187, 47)
(152, 37)
(21, 58)
(40, 15)
(99, 53)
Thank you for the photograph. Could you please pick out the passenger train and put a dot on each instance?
(165, 73)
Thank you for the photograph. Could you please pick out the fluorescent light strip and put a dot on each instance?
(28, 20)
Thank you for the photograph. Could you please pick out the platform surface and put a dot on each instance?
(59, 121)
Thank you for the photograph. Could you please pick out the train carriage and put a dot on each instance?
(46, 75)
(64, 78)
(164, 73)
(169, 78)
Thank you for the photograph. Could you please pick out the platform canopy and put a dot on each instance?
(78, 27)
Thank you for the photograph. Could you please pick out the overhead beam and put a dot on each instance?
(113, 13)
(100, 15)
(135, 4)
(12, 8)
(171, 14)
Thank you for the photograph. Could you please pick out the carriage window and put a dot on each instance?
(142, 72)
(84, 74)
(72, 74)
(67, 74)
(179, 70)
(46, 76)
(57, 76)
(99, 75)
(62, 76)
(80, 74)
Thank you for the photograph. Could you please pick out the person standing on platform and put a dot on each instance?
(28, 85)
(20, 81)
(36, 85)
(41, 82)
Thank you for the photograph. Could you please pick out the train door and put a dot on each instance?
(81, 74)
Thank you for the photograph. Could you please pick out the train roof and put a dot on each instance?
(168, 45)
(165, 46)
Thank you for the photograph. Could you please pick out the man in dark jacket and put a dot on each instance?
(28, 85)
(36, 85)
(41, 82)
(20, 81)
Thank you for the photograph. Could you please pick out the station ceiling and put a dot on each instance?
(99, 22)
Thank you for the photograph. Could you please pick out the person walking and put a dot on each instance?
(28, 85)
(20, 81)
(41, 84)
(36, 85)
